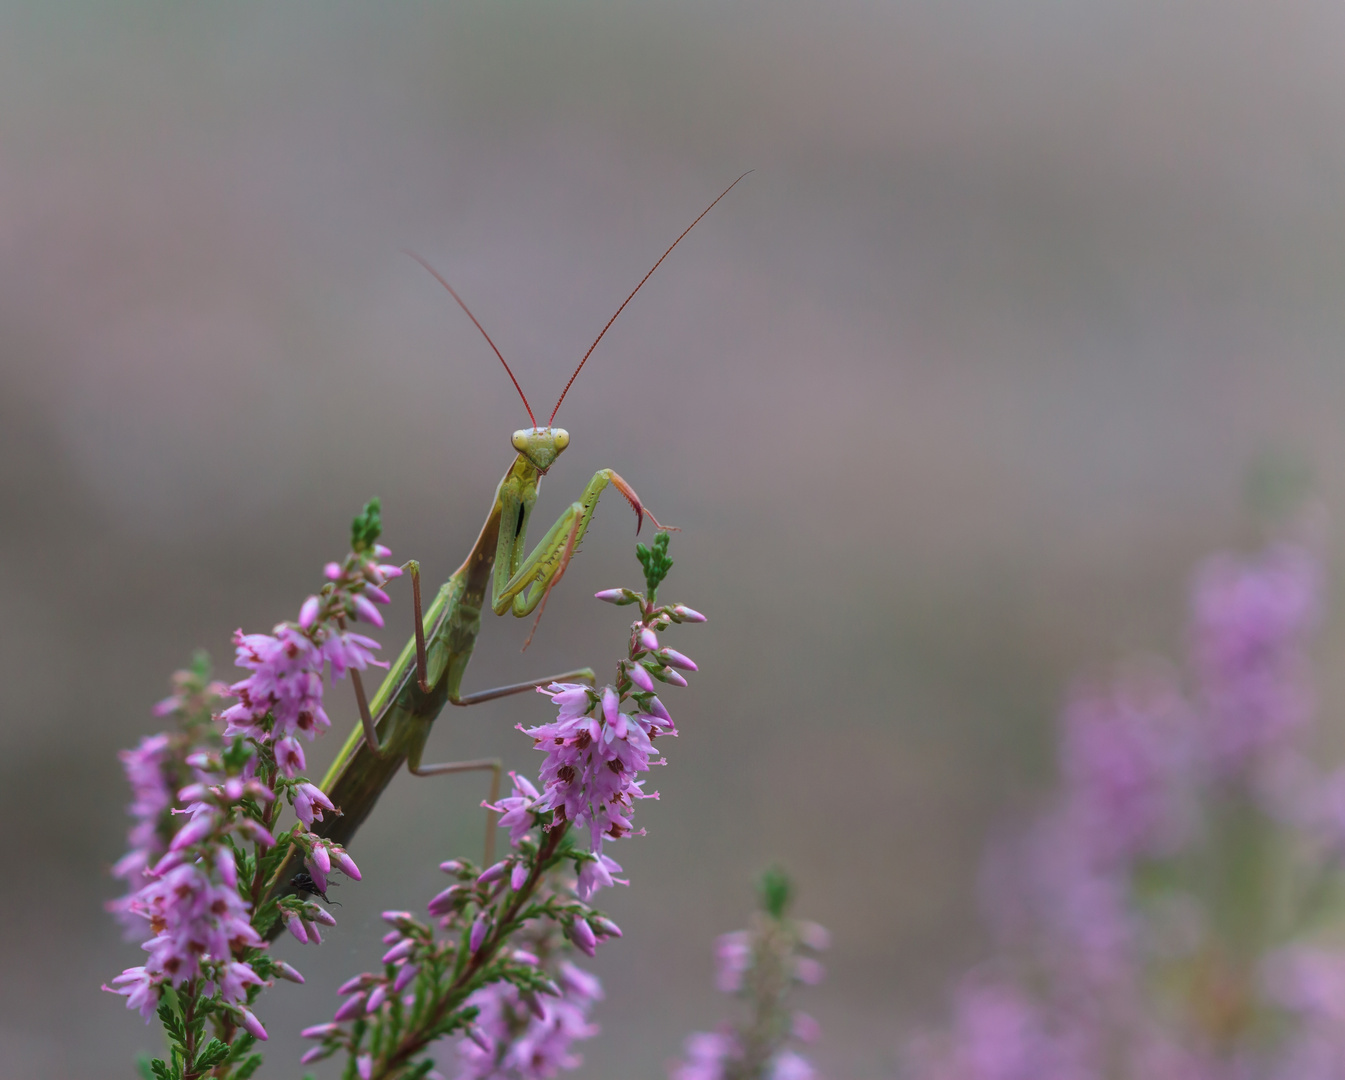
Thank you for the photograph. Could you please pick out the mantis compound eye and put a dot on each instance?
(520, 441)
(562, 438)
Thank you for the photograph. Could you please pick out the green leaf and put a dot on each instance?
(367, 526)
(160, 1069)
(249, 1066)
(656, 563)
(775, 892)
(212, 1053)
(144, 1067)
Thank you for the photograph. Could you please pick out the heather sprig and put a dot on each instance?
(1169, 914)
(761, 966)
(495, 977)
(208, 803)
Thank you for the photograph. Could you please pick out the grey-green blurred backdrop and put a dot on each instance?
(947, 397)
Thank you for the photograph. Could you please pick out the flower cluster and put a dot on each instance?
(1162, 918)
(761, 965)
(495, 977)
(156, 770)
(208, 804)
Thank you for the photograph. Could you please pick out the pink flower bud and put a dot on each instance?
(296, 927)
(364, 1065)
(400, 951)
(610, 704)
(320, 1031)
(671, 676)
(640, 676)
(351, 1009)
(687, 614)
(196, 830)
(250, 1022)
(607, 927)
(308, 614)
(359, 982)
(226, 867)
(345, 863)
(321, 859)
(615, 596)
(493, 873)
(285, 971)
(673, 658)
(404, 977)
(813, 935)
(379, 995)
(314, 935)
(805, 1028)
(317, 1054)
(377, 595)
(582, 936)
(382, 551)
(451, 867)
(445, 901)
(478, 934)
(332, 570)
(808, 971)
(397, 918)
(648, 639)
(366, 611)
(519, 877)
(313, 913)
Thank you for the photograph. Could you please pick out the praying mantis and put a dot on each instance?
(396, 722)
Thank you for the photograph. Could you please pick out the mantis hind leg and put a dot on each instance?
(448, 768)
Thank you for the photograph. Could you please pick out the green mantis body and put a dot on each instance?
(395, 724)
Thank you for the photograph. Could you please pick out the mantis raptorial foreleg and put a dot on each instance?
(530, 580)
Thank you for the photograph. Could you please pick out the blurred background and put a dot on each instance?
(948, 396)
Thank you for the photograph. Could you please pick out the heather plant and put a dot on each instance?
(1171, 913)
(207, 799)
(761, 966)
(497, 978)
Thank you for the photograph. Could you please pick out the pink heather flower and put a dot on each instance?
(513, 1041)
(516, 811)
(1252, 619)
(596, 874)
(1125, 752)
(289, 757)
(478, 934)
(733, 954)
(589, 776)
(141, 989)
(310, 802)
(706, 1056)
(997, 1034)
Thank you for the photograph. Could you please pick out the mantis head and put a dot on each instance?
(541, 446)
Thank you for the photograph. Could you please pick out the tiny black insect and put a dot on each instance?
(304, 883)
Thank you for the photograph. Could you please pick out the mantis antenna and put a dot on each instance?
(439, 278)
(625, 301)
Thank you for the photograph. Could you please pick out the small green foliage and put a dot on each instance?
(160, 1069)
(212, 1053)
(656, 563)
(775, 892)
(367, 526)
(144, 1067)
(237, 755)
